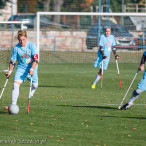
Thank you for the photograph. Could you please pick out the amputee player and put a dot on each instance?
(141, 86)
(106, 44)
(26, 54)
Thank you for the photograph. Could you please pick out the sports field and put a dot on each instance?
(66, 111)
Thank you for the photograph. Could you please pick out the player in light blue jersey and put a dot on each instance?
(26, 54)
(141, 86)
(106, 45)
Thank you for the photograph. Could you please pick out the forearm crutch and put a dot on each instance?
(128, 90)
(4, 87)
(118, 73)
(29, 95)
(102, 74)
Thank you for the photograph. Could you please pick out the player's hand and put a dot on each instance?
(30, 71)
(104, 57)
(116, 56)
(141, 67)
(8, 74)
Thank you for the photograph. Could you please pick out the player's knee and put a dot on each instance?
(35, 85)
(137, 92)
(15, 86)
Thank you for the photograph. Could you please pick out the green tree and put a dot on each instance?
(43, 5)
(76, 5)
(3, 3)
(116, 6)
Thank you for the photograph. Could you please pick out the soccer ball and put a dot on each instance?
(13, 109)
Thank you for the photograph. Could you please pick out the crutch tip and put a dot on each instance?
(119, 107)
(6, 107)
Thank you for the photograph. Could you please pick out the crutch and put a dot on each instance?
(118, 73)
(29, 95)
(4, 87)
(102, 74)
(128, 90)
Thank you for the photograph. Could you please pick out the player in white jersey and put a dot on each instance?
(106, 45)
(26, 54)
(141, 86)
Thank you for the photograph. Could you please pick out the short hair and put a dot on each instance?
(107, 28)
(22, 33)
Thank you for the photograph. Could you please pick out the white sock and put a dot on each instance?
(15, 93)
(33, 89)
(135, 95)
(96, 79)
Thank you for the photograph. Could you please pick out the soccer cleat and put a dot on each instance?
(126, 106)
(6, 107)
(93, 86)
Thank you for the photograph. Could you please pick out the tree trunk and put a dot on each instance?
(46, 5)
(57, 8)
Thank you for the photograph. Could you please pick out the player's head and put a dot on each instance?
(107, 31)
(22, 37)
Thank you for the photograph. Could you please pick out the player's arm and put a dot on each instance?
(143, 60)
(34, 63)
(115, 52)
(11, 67)
(102, 52)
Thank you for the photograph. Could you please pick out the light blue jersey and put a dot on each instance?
(142, 84)
(24, 56)
(106, 43)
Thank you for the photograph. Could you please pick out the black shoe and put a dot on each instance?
(125, 106)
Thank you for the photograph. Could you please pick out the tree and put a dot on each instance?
(46, 5)
(43, 5)
(116, 6)
(31, 6)
(57, 8)
(77, 5)
(3, 3)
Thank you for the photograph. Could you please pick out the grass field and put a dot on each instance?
(66, 111)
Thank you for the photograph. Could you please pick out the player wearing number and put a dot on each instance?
(141, 86)
(106, 44)
(26, 54)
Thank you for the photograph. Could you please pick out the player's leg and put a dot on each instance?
(140, 88)
(18, 79)
(96, 64)
(98, 77)
(33, 89)
(99, 74)
(133, 97)
(15, 91)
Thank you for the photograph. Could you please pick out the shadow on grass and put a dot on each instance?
(140, 118)
(49, 86)
(73, 87)
(3, 112)
(85, 106)
(105, 107)
(53, 86)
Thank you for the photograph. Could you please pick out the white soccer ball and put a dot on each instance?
(13, 109)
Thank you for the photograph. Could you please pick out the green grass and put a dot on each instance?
(66, 111)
